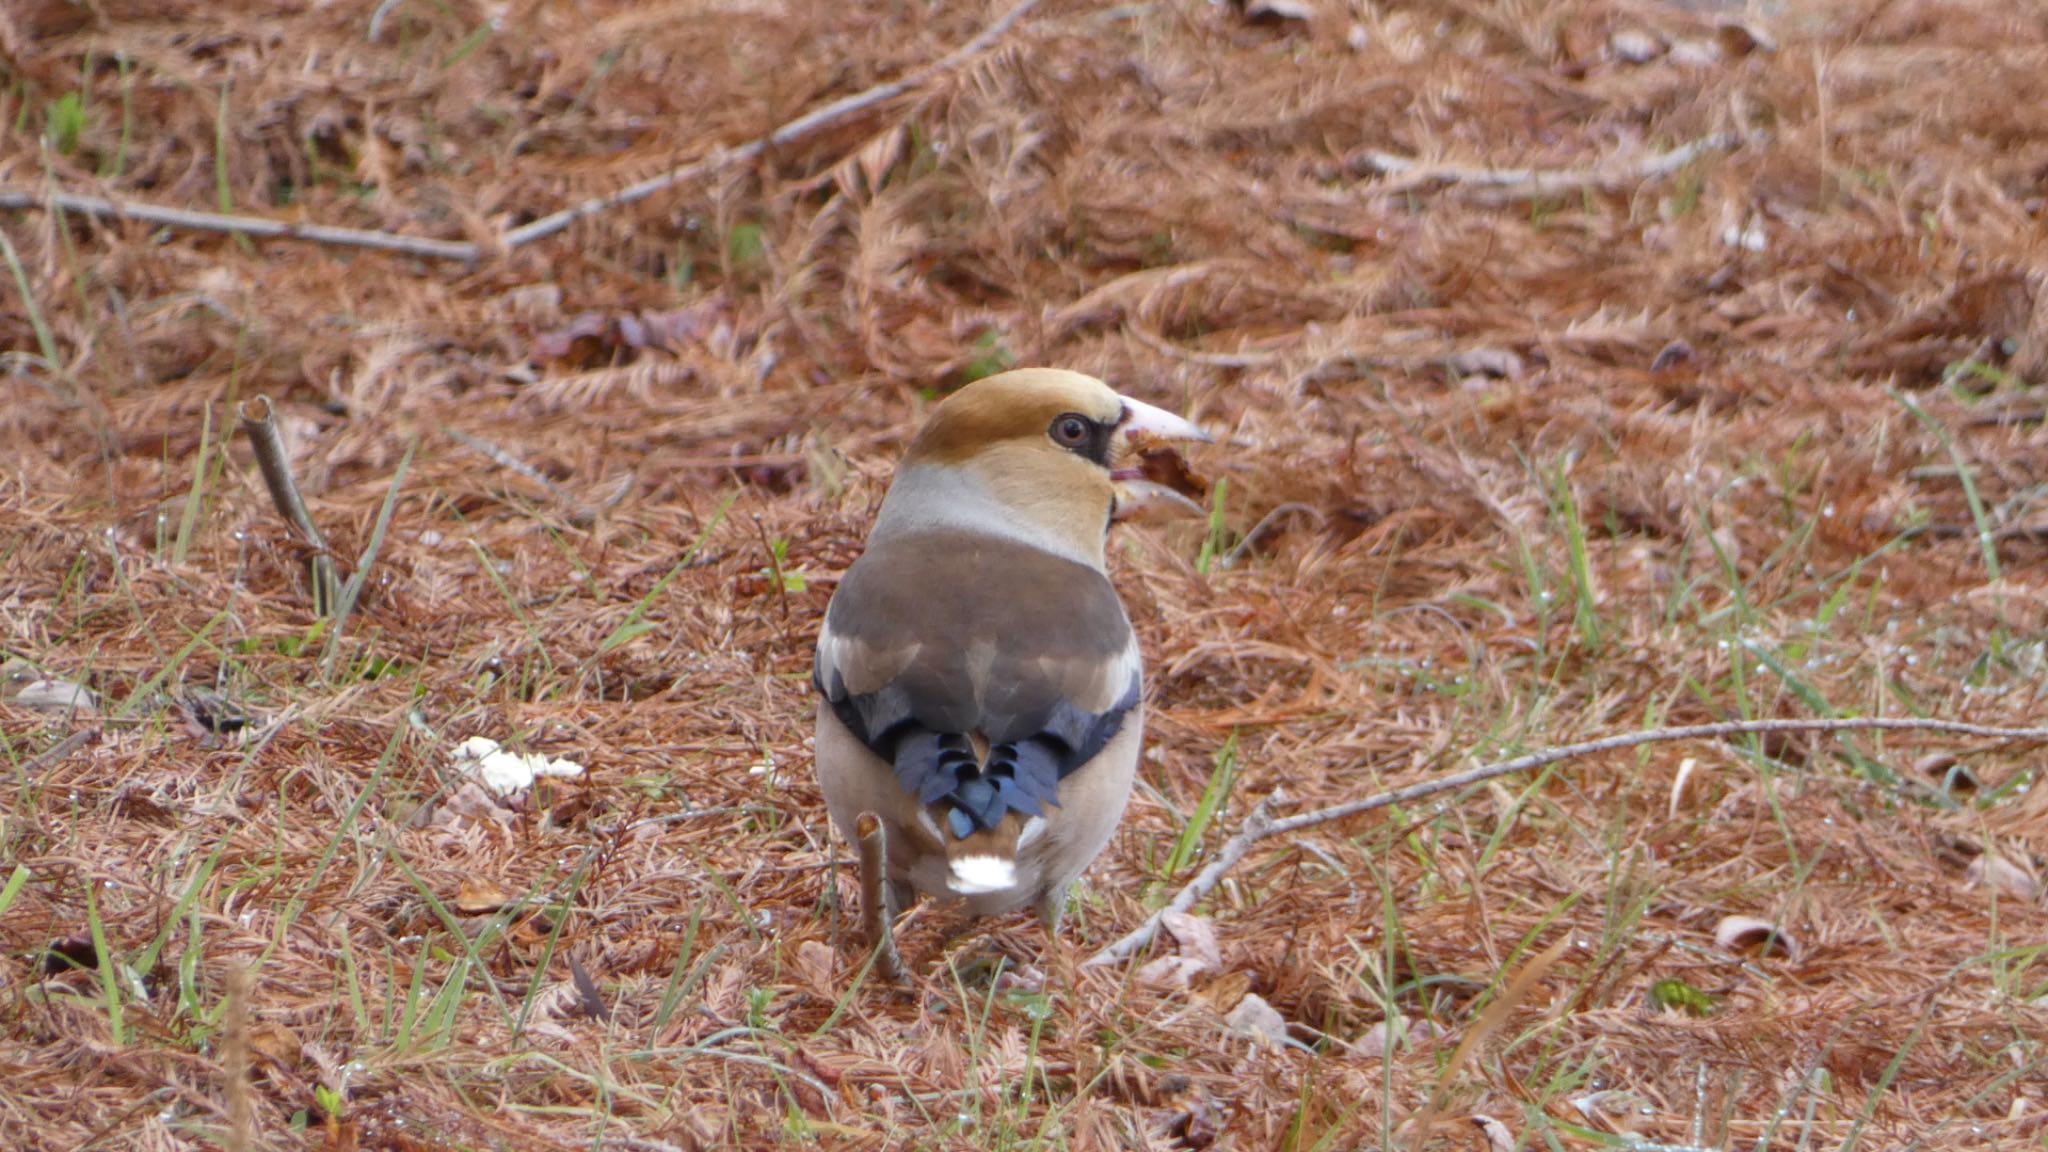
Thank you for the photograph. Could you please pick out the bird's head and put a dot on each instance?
(1052, 452)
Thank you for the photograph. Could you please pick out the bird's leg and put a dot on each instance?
(877, 914)
(1050, 906)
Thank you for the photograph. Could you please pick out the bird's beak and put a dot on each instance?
(1142, 427)
(1143, 422)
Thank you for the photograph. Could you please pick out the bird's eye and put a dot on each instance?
(1072, 430)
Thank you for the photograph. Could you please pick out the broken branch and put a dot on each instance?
(102, 207)
(810, 122)
(259, 421)
(1260, 827)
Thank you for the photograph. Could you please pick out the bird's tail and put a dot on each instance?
(984, 801)
(986, 859)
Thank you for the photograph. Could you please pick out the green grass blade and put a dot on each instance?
(353, 590)
(1987, 542)
(632, 627)
(16, 881)
(110, 984)
(188, 519)
(1221, 779)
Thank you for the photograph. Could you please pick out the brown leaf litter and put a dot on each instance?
(1560, 359)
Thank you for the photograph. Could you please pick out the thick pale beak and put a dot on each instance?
(1144, 426)
(1143, 422)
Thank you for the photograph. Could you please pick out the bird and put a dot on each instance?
(980, 689)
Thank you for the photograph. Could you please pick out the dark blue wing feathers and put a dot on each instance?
(1053, 624)
(1022, 774)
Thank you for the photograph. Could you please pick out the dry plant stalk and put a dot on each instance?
(1259, 826)
(235, 1048)
(259, 421)
(874, 897)
(1422, 1124)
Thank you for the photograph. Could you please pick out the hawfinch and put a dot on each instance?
(982, 695)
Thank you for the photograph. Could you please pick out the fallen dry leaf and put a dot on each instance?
(1498, 1138)
(1680, 784)
(1198, 953)
(476, 896)
(1740, 38)
(1171, 972)
(1397, 1032)
(70, 953)
(1197, 1127)
(1254, 1019)
(1278, 12)
(23, 684)
(277, 1045)
(2007, 874)
(1749, 934)
(1196, 937)
(1226, 992)
(815, 964)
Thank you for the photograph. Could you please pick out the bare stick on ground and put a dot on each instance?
(874, 897)
(101, 207)
(506, 460)
(831, 114)
(1259, 826)
(1405, 173)
(261, 425)
(57, 752)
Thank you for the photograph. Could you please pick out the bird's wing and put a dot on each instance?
(942, 645)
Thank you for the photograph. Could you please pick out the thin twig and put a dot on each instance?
(259, 421)
(1260, 827)
(384, 10)
(515, 465)
(1407, 172)
(1266, 522)
(58, 751)
(104, 208)
(587, 989)
(830, 115)
(680, 817)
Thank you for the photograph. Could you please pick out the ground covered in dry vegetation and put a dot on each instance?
(1581, 367)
